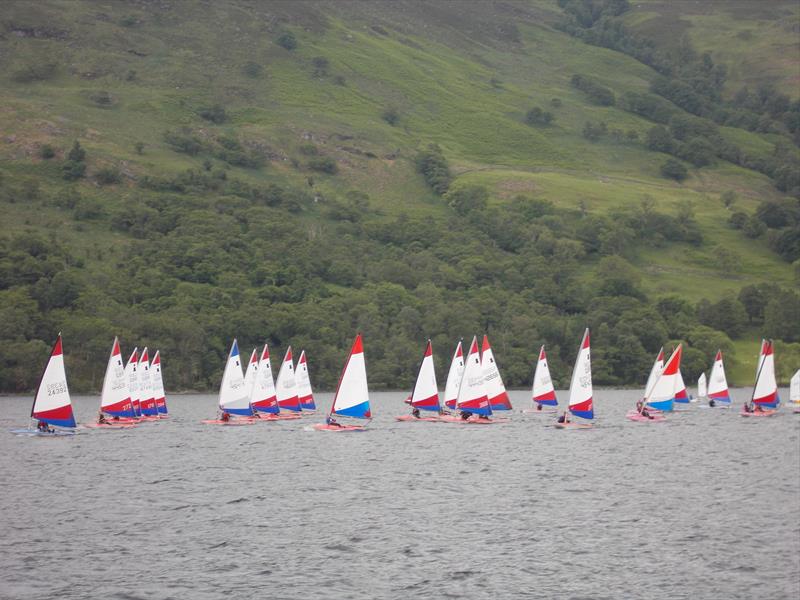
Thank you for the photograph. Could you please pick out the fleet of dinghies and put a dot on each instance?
(133, 391)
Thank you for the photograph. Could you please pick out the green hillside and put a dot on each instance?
(266, 171)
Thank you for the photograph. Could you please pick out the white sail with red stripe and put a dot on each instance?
(495, 389)
(52, 403)
(426, 394)
(250, 373)
(132, 373)
(263, 397)
(472, 395)
(765, 392)
(158, 385)
(304, 393)
(718, 383)
(543, 391)
(115, 399)
(147, 403)
(286, 384)
(454, 378)
(580, 387)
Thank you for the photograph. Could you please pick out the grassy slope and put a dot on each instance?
(437, 75)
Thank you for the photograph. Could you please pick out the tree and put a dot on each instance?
(76, 153)
(673, 169)
(659, 139)
(728, 198)
(391, 115)
(216, 114)
(467, 199)
(727, 315)
(47, 151)
(433, 166)
(782, 316)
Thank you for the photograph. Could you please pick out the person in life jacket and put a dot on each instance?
(465, 414)
(101, 418)
(331, 422)
(415, 412)
(563, 418)
(225, 417)
(44, 427)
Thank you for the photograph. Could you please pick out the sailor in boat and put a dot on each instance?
(101, 418)
(44, 427)
(711, 403)
(642, 409)
(538, 406)
(331, 422)
(563, 418)
(465, 414)
(225, 417)
(483, 418)
(415, 413)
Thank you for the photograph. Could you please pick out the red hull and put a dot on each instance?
(324, 427)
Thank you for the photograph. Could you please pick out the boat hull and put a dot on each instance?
(231, 422)
(112, 425)
(760, 413)
(635, 415)
(37, 433)
(324, 427)
(413, 418)
(572, 425)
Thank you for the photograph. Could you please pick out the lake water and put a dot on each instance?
(706, 505)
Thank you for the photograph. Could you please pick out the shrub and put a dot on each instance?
(390, 115)
(47, 151)
(324, 164)
(309, 149)
(321, 65)
(72, 170)
(252, 69)
(101, 98)
(216, 114)
(738, 219)
(287, 40)
(537, 116)
(555, 102)
(659, 139)
(35, 72)
(599, 94)
(674, 169)
(76, 153)
(108, 176)
(594, 131)
(139, 147)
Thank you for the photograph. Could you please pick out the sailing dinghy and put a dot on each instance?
(425, 395)
(543, 393)
(454, 378)
(133, 382)
(495, 389)
(764, 401)
(233, 397)
(115, 399)
(718, 395)
(158, 386)
(352, 394)
(147, 403)
(794, 391)
(286, 385)
(580, 390)
(304, 393)
(472, 400)
(659, 387)
(263, 398)
(665, 404)
(51, 403)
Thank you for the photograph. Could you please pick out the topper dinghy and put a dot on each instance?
(454, 378)
(425, 395)
(495, 389)
(115, 399)
(233, 397)
(580, 390)
(352, 394)
(263, 398)
(543, 393)
(286, 385)
(304, 393)
(718, 395)
(473, 400)
(51, 402)
(158, 386)
(765, 399)
(660, 387)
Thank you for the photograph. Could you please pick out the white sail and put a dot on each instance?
(115, 397)
(233, 396)
(794, 388)
(454, 377)
(702, 387)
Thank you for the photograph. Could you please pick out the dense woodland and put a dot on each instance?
(194, 257)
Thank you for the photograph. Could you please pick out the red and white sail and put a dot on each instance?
(454, 378)
(662, 395)
(115, 399)
(765, 392)
(472, 396)
(158, 384)
(52, 403)
(304, 393)
(498, 397)
(352, 393)
(580, 388)
(718, 383)
(286, 384)
(426, 394)
(263, 397)
(543, 391)
(132, 373)
(147, 402)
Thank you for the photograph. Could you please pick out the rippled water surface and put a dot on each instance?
(704, 506)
